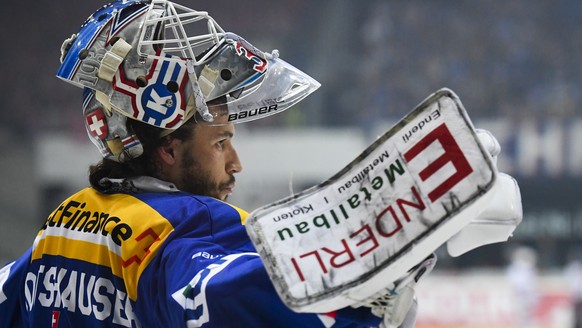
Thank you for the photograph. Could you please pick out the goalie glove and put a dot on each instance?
(397, 305)
(498, 221)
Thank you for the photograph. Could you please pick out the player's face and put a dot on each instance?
(209, 161)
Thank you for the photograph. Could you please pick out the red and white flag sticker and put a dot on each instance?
(408, 193)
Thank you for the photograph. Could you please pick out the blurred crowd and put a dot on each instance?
(376, 59)
(505, 59)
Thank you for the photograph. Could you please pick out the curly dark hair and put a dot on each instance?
(149, 136)
(144, 165)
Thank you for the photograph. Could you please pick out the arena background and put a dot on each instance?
(515, 65)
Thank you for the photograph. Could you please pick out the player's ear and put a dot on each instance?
(167, 151)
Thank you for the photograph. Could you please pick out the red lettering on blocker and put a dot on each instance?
(319, 260)
(452, 153)
(394, 217)
(360, 243)
(381, 222)
(346, 250)
(371, 237)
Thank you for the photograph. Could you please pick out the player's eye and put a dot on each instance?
(220, 144)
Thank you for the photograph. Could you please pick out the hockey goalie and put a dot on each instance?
(153, 242)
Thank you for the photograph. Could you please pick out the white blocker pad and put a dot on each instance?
(342, 241)
(493, 225)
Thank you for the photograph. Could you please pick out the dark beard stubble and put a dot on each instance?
(197, 182)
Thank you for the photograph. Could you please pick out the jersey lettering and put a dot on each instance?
(78, 292)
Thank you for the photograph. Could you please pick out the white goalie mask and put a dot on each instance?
(161, 63)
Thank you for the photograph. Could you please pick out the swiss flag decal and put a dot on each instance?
(97, 124)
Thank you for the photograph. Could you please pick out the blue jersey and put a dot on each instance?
(157, 259)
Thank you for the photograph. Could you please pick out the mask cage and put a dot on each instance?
(179, 31)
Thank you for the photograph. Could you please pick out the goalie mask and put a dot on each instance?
(108, 131)
(161, 63)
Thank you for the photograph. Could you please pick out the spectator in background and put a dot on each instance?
(523, 279)
(573, 272)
